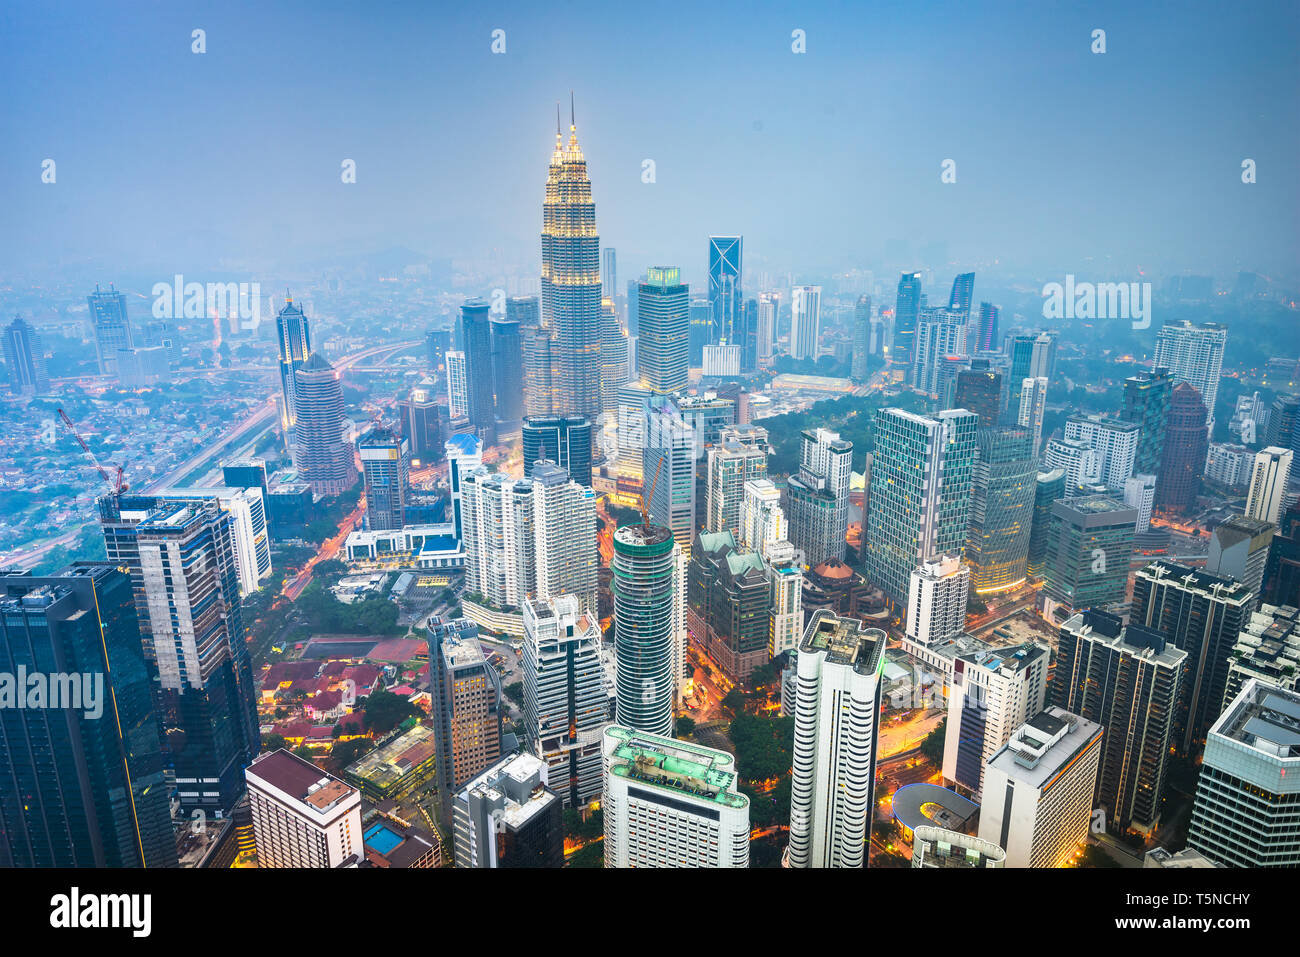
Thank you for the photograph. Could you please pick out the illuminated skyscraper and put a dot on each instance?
(571, 278)
(294, 336)
(663, 357)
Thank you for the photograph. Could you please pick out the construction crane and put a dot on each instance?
(114, 481)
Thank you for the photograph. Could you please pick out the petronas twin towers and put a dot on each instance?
(571, 279)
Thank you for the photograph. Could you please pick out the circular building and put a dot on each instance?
(644, 577)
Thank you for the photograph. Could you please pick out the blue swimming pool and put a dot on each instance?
(382, 837)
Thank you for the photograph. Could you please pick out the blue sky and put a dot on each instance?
(1066, 160)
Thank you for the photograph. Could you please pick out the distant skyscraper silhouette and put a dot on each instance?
(906, 307)
(111, 326)
(294, 336)
(724, 287)
(25, 359)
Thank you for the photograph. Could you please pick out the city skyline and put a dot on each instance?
(1020, 203)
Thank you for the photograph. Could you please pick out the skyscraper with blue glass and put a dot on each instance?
(83, 782)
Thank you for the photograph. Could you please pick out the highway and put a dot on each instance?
(263, 415)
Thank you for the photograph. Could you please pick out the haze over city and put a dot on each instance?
(801, 437)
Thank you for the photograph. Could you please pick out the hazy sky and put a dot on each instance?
(167, 159)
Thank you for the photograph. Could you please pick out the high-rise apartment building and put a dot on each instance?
(921, 476)
(498, 536)
(938, 590)
(1268, 484)
(766, 332)
(1031, 407)
(671, 803)
(940, 334)
(1203, 615)
(247, 510)
(762, 520)
(985, 330)
(303, 817)
(566, 705)
(565, 558)
(457, 389)
(1193, 354)
(818, 496)
(785, 577)
(1126, 678)
(836, 714)
(738, 458)
(571, 286)
(84, 779)
(1038, 789)
(1114, 440)
(645, 575)
(963, 290)
(993, 692)
(386, 462)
